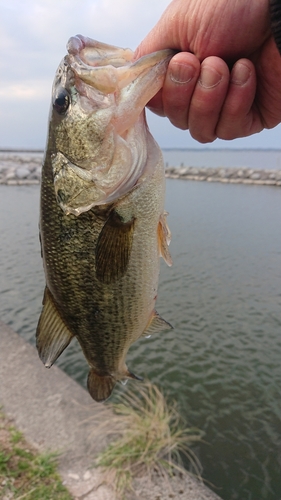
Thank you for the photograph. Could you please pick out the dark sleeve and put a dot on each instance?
(275, 21)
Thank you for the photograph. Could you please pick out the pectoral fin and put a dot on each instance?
(52, 335)
(114, 248)
(164, 239)
(156, 325)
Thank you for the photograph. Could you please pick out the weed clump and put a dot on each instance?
(152, 439)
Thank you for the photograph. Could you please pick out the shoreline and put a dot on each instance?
(226, 175)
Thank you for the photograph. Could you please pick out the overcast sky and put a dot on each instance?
(33, 36)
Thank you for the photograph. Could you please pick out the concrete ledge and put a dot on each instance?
(57, 414)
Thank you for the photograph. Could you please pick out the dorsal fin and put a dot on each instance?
(52, 335)
(156, 325)
(114, 248)
(164, 239)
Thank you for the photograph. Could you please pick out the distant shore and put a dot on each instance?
(20, 167)
(226, 175)
(24, 168)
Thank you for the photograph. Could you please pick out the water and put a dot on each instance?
(222, 295)
(259, 158)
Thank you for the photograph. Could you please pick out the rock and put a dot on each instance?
(222, 172)
(193, 171)
(240, 173)
(182, 170)
(87, 475)
(22, 172)
(255, 176)
(10, 174)
(272, 176)
(203, 172)
(210, 172)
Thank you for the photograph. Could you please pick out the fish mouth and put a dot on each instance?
(109, 68)
(94, 53)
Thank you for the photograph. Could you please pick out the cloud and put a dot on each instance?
(25, 90)
(127, 20)
(33, 41)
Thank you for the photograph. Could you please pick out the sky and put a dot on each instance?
(33, 37)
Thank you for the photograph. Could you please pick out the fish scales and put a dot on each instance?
(74, 284)
(101, 245)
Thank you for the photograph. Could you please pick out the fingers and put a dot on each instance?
(210, 101)
(239, 115)
(173, 100)
(192, 96)
(208, 98)
(181, 78)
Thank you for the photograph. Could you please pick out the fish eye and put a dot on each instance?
(61, 102)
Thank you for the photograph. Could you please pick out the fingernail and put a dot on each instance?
(181, 73)
(209, 77)
(240, 74)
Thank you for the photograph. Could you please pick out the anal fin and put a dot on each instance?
(52, 335)
(156, 325)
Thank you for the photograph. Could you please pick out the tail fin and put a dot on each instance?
(100, 387)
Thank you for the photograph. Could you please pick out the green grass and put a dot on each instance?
(152, 439)
(25, 474)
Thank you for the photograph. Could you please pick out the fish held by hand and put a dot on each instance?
(102, 219)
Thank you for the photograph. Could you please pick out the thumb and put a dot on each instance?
(155, 40)
(165, 34)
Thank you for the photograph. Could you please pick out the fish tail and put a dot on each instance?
(100, 387)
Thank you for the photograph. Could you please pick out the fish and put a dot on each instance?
(102, 220)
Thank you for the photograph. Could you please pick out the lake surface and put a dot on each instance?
(204, 157)
(222, 361)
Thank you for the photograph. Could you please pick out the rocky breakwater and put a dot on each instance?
(18, 168)
(24, 167)
(226, 175)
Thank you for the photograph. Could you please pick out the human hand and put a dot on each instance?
(200, 91)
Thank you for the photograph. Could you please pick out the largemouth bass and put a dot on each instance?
(102, 220)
